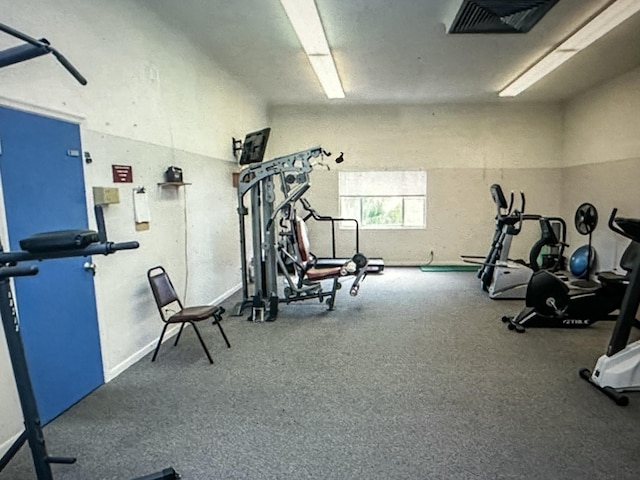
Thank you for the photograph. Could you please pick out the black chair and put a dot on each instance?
(165, 295)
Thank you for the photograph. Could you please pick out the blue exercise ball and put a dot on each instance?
(580, 262)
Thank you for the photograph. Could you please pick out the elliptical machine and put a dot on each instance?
(506, 278)
(552, 303)
(618, 370)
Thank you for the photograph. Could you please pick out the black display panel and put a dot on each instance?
(254, 146)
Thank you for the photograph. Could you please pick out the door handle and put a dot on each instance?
(90, 266)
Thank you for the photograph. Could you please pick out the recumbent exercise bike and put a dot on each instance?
(552, 303)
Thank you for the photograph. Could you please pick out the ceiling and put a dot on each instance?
(397, 51)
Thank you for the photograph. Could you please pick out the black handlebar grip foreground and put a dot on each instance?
(42, 47)
(114, 247)
(6, 272)
(94, 249)
(70, 68)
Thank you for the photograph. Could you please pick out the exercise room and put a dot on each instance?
(295, 239)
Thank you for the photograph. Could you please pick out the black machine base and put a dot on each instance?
(166, 474)
(530, 318)
(621, 399)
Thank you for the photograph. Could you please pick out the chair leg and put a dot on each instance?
(178, 336)
(217, 322)
(155, 352)
(206, 350)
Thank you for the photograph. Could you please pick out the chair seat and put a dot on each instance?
(195, 313)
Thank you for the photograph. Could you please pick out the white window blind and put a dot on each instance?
(383, 184)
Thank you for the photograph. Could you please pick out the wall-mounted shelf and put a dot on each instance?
(173, 184)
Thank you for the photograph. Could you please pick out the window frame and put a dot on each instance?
(361, 198)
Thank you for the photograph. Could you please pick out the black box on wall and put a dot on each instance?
(173, 175)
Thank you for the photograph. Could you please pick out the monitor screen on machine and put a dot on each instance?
(254, 147)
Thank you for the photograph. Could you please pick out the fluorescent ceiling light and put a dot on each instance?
(305, 20)
(602, 24)
(327, 74)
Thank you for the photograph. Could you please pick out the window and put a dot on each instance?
(384, 199)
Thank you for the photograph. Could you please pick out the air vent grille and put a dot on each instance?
(499, 16)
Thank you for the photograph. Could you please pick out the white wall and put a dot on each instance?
(463, 148)
(152, 100)
(602, 124)
(601, 155)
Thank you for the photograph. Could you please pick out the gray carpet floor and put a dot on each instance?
(416, 378)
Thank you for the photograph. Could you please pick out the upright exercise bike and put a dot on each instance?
(618, 370)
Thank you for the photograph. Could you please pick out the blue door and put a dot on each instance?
(43, 185)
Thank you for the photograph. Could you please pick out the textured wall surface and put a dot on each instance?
(602, 125)
(463, 149)
(601, 155)
(152, 100)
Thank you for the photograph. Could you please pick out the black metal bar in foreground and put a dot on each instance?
(33, 434)
(31, 49)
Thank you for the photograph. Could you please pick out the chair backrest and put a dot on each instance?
(162, 288)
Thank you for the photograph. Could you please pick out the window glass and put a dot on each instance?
(390, 199)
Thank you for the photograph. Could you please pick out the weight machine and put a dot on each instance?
(258, 181)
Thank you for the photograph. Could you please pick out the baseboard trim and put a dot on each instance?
(4, 447)
(122, 366)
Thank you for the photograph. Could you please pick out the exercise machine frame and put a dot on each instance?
(505, 278)
(618, 370)
(10, 267)
(375, 265)
(258, 181)
(553, 303)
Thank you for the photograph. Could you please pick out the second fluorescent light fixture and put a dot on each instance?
(606, 21)
(305, 20)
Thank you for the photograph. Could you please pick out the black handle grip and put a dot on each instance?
(123, 246)
(6, 272)
(94, 249)
(70, 68)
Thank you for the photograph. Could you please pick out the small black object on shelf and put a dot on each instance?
(173, 175)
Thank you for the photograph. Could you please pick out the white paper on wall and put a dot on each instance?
(141, 206)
